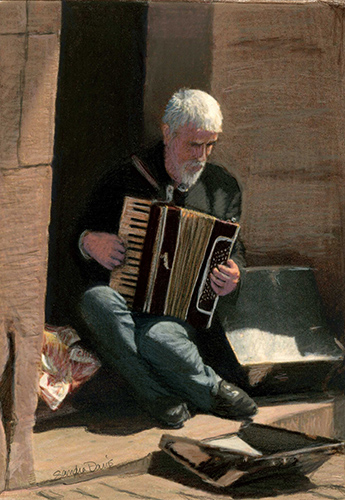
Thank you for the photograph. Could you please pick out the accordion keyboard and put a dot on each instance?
(132, 231)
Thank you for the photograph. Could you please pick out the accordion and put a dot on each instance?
(170, 252)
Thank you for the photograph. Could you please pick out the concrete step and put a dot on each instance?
(78, 450)
(81, 456)
(326, 483)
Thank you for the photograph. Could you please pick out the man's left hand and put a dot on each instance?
(224, 278)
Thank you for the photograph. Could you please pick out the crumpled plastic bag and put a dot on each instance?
(65, 365)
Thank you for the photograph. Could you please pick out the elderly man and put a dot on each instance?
(158, 356)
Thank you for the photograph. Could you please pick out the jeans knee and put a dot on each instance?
(166, 330)
(167, 346)
(164, 336)
(101, 297)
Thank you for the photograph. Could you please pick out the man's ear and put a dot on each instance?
(166, 133)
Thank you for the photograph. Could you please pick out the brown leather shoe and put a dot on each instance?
(232, 402)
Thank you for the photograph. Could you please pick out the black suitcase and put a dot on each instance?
(278, 332)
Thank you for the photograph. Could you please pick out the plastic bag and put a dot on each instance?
(65, 365)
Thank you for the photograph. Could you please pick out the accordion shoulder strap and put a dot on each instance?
(142, 168)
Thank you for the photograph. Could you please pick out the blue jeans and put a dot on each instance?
(156, 355)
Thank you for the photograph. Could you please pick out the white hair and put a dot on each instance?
(196, 107)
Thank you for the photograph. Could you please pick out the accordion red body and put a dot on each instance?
(170, 252)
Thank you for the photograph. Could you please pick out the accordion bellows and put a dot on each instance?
(170, 252)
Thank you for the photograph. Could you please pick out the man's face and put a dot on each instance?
(186, 152)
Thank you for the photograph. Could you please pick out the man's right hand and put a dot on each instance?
(107, 249)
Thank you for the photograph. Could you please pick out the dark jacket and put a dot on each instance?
(216, 193)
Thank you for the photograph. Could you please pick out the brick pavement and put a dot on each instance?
(131, 443)
(328, 482)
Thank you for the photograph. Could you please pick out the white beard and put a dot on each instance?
(188, 179)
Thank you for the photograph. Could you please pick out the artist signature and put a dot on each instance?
(84, 468)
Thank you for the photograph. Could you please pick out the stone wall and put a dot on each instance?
(278, 73)
(29, 46)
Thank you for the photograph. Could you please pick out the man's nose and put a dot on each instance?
(202, 152)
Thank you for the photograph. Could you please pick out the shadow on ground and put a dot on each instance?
(164, 466)
(103, 406)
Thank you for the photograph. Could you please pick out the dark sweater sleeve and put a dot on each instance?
(101, 213)
(233, 213)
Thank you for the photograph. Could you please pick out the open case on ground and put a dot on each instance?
(254, 452)
(278, 331)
